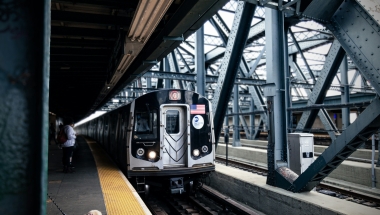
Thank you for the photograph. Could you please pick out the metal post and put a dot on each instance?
(378, 149)
(160, 81)
(274, 31)
(235, 109)
(148, 83)
(24, 110)
(167, 69)
(345, 93)
(252, 120)
(373, 162)
(226, 136)
(288, 90)
(200, 61)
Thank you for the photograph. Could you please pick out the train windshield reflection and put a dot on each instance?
(146, 124)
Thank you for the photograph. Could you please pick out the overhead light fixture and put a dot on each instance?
(124, 63)
(149, 13)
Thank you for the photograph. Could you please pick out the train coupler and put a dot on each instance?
(176, 185)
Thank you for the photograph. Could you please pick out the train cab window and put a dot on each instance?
(172, 121)
(146, 125)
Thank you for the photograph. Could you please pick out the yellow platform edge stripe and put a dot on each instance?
(119, 195)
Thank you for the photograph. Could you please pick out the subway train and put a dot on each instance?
(162, 139)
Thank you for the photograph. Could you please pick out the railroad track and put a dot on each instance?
(332, 190)
(206, 201)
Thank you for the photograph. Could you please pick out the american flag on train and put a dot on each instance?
(197, 109)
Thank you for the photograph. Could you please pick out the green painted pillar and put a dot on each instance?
(24, 87)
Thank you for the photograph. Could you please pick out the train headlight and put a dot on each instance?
(204, 149)
(196, 152)
(140, 152)
(152, 155)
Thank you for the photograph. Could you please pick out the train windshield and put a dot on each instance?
(146, 124)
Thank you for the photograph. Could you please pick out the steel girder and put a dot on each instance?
(302, 55)
(235, 109)
(345, 93)
(254, 31)
(360, 130)
(256, 95)
(321, 10)
(309, 43)
(323, 115)
(200, 61)
(359, 34)
(333, 61)
(230, 64)
(166, 67)
(245, 126)
(174, 63)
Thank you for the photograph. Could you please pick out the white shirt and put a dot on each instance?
(70, 133)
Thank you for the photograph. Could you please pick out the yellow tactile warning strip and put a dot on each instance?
(119, 196)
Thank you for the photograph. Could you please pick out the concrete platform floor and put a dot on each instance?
(350, 173)
(252, 190)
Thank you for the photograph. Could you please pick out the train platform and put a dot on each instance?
(251, 189)
(96, 184)
(350, 174)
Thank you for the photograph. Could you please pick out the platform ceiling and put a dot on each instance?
(83, 40)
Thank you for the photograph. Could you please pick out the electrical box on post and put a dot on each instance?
(301, 151)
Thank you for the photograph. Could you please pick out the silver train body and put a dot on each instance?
(164, 138)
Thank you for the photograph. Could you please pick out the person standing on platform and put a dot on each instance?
(68, 146)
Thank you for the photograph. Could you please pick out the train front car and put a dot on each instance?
(171, 140)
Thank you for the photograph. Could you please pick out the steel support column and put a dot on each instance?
(200, 61)
(148, 82)
(275, 91)
(230, 63)
(24, 86)
(345, 93)
(167, 82)
(252, 120)
(235, 109)
(160, 81)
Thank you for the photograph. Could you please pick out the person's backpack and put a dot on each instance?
(62, 137)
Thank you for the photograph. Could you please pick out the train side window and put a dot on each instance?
(172, 121)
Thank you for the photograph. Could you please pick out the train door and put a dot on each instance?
(175, 135)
